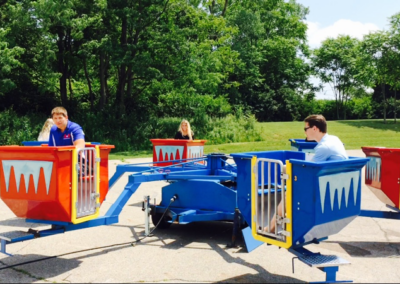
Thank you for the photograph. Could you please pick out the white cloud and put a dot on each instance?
(317, 34)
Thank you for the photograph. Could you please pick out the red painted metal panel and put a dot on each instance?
(52, 203)
(174, 154)
(387, 185)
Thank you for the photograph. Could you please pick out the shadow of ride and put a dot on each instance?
(19, 222)
(365, 249)
(214, 236)
(35, 271)
(203, 236)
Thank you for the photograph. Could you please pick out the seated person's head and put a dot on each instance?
(60, 117)
(184, 128)
(48, 124)
(315, 126)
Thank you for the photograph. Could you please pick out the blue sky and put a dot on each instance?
(329, 18)
(327, 12)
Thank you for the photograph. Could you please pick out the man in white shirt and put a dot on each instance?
(329, 147)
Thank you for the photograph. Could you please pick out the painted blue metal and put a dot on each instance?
(47, 222)
(12, 238)
(39, 143)
(34, 143)
(331, 275)
(206, 195)
(323, 193)
(188, 164)
(251, 243)
(243, 162)
(330, 271)
(302, 146)
(3, 247)
(326, 197)
(380, 214)
(206, 188)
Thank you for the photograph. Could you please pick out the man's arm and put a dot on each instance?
(79, 144)
(78, 137)
(322, 154)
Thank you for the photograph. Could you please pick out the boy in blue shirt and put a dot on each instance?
(65, 132)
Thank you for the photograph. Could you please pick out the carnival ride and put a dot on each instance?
(65, 187)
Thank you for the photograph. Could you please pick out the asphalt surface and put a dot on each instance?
(192, 253)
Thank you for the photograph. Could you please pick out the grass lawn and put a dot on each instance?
(353, 133)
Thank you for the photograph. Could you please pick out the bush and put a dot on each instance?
(128, 134)
(189, 105)
(15, 128)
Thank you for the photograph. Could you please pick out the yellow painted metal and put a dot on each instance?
(254, 190)
(76, 220)
(74, 186)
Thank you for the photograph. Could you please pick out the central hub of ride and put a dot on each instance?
(216, 161)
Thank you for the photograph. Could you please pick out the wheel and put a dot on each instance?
(164, 222)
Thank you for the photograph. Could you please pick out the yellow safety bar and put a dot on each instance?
(254, 188)
(76, 220)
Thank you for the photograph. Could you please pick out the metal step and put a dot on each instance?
(16, 236)
(323, 260)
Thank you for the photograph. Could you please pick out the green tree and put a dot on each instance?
(9, 60)
(394, 60)
(376, 50)
(273, 52)
(335, 63)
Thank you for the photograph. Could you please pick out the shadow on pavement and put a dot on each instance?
(19, 222)
(215, 236)
(39, 270)
(367, 249)
(206, 236)
(201, 232)
(263, 275)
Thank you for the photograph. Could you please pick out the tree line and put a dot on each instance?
(134, 67)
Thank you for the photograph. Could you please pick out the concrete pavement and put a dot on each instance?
(194, 252)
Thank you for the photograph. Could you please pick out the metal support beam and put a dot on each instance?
(3, 247)
(380, 214)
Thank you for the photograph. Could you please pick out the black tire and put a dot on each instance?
(164, 224)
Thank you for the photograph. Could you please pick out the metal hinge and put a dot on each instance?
(285, 176)
(95, 195)
(280, 220)
(284, 233)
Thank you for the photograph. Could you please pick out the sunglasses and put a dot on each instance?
(305, 128)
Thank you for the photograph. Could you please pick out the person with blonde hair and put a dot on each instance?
(45, 133)
(184, 131)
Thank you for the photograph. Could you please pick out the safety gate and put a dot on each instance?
(269, 199)
(86, 194)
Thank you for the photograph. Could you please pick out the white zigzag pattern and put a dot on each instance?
(27, 168)
(339, 182)
(196, 151)
(373, 169)
(169, 150)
